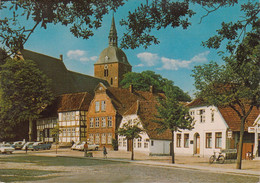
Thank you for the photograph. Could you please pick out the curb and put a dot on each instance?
(152, 163)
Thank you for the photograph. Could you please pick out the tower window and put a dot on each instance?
(105, 72)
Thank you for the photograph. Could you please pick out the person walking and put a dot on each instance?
(85, 149)
(104, 152)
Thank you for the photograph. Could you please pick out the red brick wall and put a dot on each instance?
(110, 111)
(115, 71)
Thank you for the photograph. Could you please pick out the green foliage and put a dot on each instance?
(130, 130)
(115, 144)
(172, 114)
(84, 16)
(142, 81)
(235, 84)
(232, 32)
(24, 92)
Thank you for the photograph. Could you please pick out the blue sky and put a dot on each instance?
(174, 58)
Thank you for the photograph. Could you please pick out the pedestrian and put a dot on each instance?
(104, 152)
(26, 148)
(85, 149)
(72, 143)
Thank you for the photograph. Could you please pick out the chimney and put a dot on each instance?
(131, 88)
(152, 89)
(61, 57)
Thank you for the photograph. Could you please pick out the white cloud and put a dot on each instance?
(80, 55)
(139, 65)
(75, 54)
(175, 64)
(148, 59)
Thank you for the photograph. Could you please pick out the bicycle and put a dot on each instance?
(220, 158)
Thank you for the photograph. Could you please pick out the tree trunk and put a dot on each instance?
(30, 130)
(173, 160)
(240, 145)
(132, 155)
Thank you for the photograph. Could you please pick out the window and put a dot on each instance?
(105, 72)
(109, 121)
(103, 138)
(124, 142)
(192, 113)
(202, 115)
(91, 138)
(218, 136)
(146, 143)
(152, 142)
(186, 140)
(97, 122)
(91, 122)
(103, 105)
(111, 82)
(139, 144)
(208, 140)
(109, 138)
(97, 106)
(63, 132)
(97, 139)
(73, 132)
(178, 140)
(103, 121)
(212, 117)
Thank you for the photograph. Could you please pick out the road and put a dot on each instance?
(68, 169)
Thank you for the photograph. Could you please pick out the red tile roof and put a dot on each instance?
(230, 116)
(233, 121)
(123, 99)
(74, 102)
(146, 110)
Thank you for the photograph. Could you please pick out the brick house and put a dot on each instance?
(150, 141)
(106, 111)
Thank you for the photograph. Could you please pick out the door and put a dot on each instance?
(129, 144)
(196, 144)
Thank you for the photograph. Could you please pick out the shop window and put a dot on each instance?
(208, 140)
(218, 142)
(186, 140)
(178, 140)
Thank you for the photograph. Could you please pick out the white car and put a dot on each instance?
(93, 147)
(6, 148)
(73, 147)
(80, 146)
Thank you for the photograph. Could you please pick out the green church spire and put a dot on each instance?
(113, 34)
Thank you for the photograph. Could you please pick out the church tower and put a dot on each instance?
(112, 63)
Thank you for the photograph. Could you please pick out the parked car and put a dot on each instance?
(39, 146)
(6, 148)
(80, 146)
(27, 144)
(73, 147)
(18, 145)
(93, 147)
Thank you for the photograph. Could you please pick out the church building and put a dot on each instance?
(112, 63)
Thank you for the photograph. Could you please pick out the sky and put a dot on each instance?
(174, 58)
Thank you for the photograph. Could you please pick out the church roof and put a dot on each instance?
(112, 54)
(63, 80)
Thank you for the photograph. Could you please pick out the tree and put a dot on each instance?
(55, 132)
(142, 81)
(235, 84)
(172, 115)
(84, 16)
(130, 131)
(24, 93)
